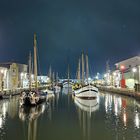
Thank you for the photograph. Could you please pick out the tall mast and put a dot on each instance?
(87, 68)
(35, 61)
(53, 78)
(79, 70)
(50, 73)
(57, 78)
(68, 77)
(107, 67)
(83, 68)
(68, 73)
(30, 70)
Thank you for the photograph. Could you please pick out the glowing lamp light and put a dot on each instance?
(97, 77)
(21, 74)
(105, 75)
(89, 79)
(32, 76)
(122, 67)
(2, 71)
(134, 70)
(114, 73)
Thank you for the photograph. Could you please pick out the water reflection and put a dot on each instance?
(137, 119)
(88, 106)
(3, 112)
(122, 116)
(67, 90)
(137, 115)
(30, 115)
(85, 108)
(113, 118)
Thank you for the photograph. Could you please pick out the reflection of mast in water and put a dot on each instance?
(32, 129)
(31, 114)
(51, 107)
(85, 109)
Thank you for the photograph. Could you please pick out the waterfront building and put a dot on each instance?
(13, 75)
(3, 78)
(129, 69)
(43, 79)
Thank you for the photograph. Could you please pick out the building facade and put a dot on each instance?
(128, 69)
(13, 76)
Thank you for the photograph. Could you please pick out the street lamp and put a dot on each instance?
(134, 70)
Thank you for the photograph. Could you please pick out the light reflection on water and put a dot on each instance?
(66, 117)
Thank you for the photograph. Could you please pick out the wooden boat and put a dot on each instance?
(85, 89)
(33, 97)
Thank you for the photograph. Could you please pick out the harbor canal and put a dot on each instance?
(115, 117)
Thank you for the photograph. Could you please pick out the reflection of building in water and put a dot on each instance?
(113, 103)
(8, 107)
(31, 116)
(124, 118)
(85, 109)
(117, 105)
(108, 103)
(121, 116)
(137, 119)
(13, 107)
(3, 112)
(137, 115)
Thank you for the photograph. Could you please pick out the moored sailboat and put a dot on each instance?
(67, 84)
(84, 89)
(33, 97)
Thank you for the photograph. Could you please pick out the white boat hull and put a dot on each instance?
(87, 92)
(67, 85)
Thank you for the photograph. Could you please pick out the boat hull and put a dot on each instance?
(67, 85)
(87, 92)
(26, 100)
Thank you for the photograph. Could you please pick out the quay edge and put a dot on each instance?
(121, 91)
(10, 93)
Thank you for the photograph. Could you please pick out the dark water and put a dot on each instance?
(114, 118)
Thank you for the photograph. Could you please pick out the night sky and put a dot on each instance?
(105, 29)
